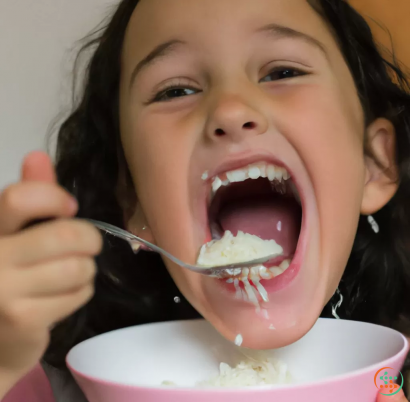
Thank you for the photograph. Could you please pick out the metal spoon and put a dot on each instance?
(218, 271)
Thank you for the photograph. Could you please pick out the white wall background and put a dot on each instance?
(37, 42)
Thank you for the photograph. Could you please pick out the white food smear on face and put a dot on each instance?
(205, 176)
(238, 340)
(232, 249)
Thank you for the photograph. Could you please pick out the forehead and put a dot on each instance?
(211, 23)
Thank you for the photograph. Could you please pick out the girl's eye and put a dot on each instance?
(174, 92)
(282, 73)
(171, 93)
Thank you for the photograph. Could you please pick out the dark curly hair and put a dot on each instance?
(90, 164)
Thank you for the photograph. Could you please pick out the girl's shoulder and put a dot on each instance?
(46, 384)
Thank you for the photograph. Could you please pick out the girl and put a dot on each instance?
(180, 96)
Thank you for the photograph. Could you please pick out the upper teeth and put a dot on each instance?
(254, 171)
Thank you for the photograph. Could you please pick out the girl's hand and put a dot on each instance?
(46, 271)
(399, 397)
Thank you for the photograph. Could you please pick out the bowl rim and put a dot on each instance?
(251, 389)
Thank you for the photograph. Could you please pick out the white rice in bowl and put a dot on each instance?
(269, 371)
(250, 373)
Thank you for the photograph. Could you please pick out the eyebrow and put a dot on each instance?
(276, 30)
(280, 31)
(159, 52)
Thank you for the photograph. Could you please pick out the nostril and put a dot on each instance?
(219, 132)
(250, 125)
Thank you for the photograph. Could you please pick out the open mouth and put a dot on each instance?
(261, 200)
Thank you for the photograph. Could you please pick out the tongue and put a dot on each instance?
(269, 218)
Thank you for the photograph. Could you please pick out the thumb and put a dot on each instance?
(37, 166)
(399, 397)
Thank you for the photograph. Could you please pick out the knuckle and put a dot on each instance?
(91, 237)
(95, 239)
(72, 269)
(83, 296)
(91, 269)
(88, 294)
(66, 232)
(79, 270)
(99, 243)
(82, 234)
(9, 198)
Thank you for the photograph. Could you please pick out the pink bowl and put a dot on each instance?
(336, 361)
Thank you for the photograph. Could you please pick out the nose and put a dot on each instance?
(235, 119)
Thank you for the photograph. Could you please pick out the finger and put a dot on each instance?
(38, 313)
(37, 166)
(56, 277)
(66, 305)
(399, 397)
(23, 202)
(53, 240)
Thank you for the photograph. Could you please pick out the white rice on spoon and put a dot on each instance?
(232, 249)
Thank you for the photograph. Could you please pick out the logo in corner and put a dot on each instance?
(384, 381)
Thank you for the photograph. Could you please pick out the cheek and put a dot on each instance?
(159, 156)
(329, 138)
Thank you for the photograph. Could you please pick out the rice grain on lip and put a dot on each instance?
(239, 340)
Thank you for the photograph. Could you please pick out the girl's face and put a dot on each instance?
(216, 85)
